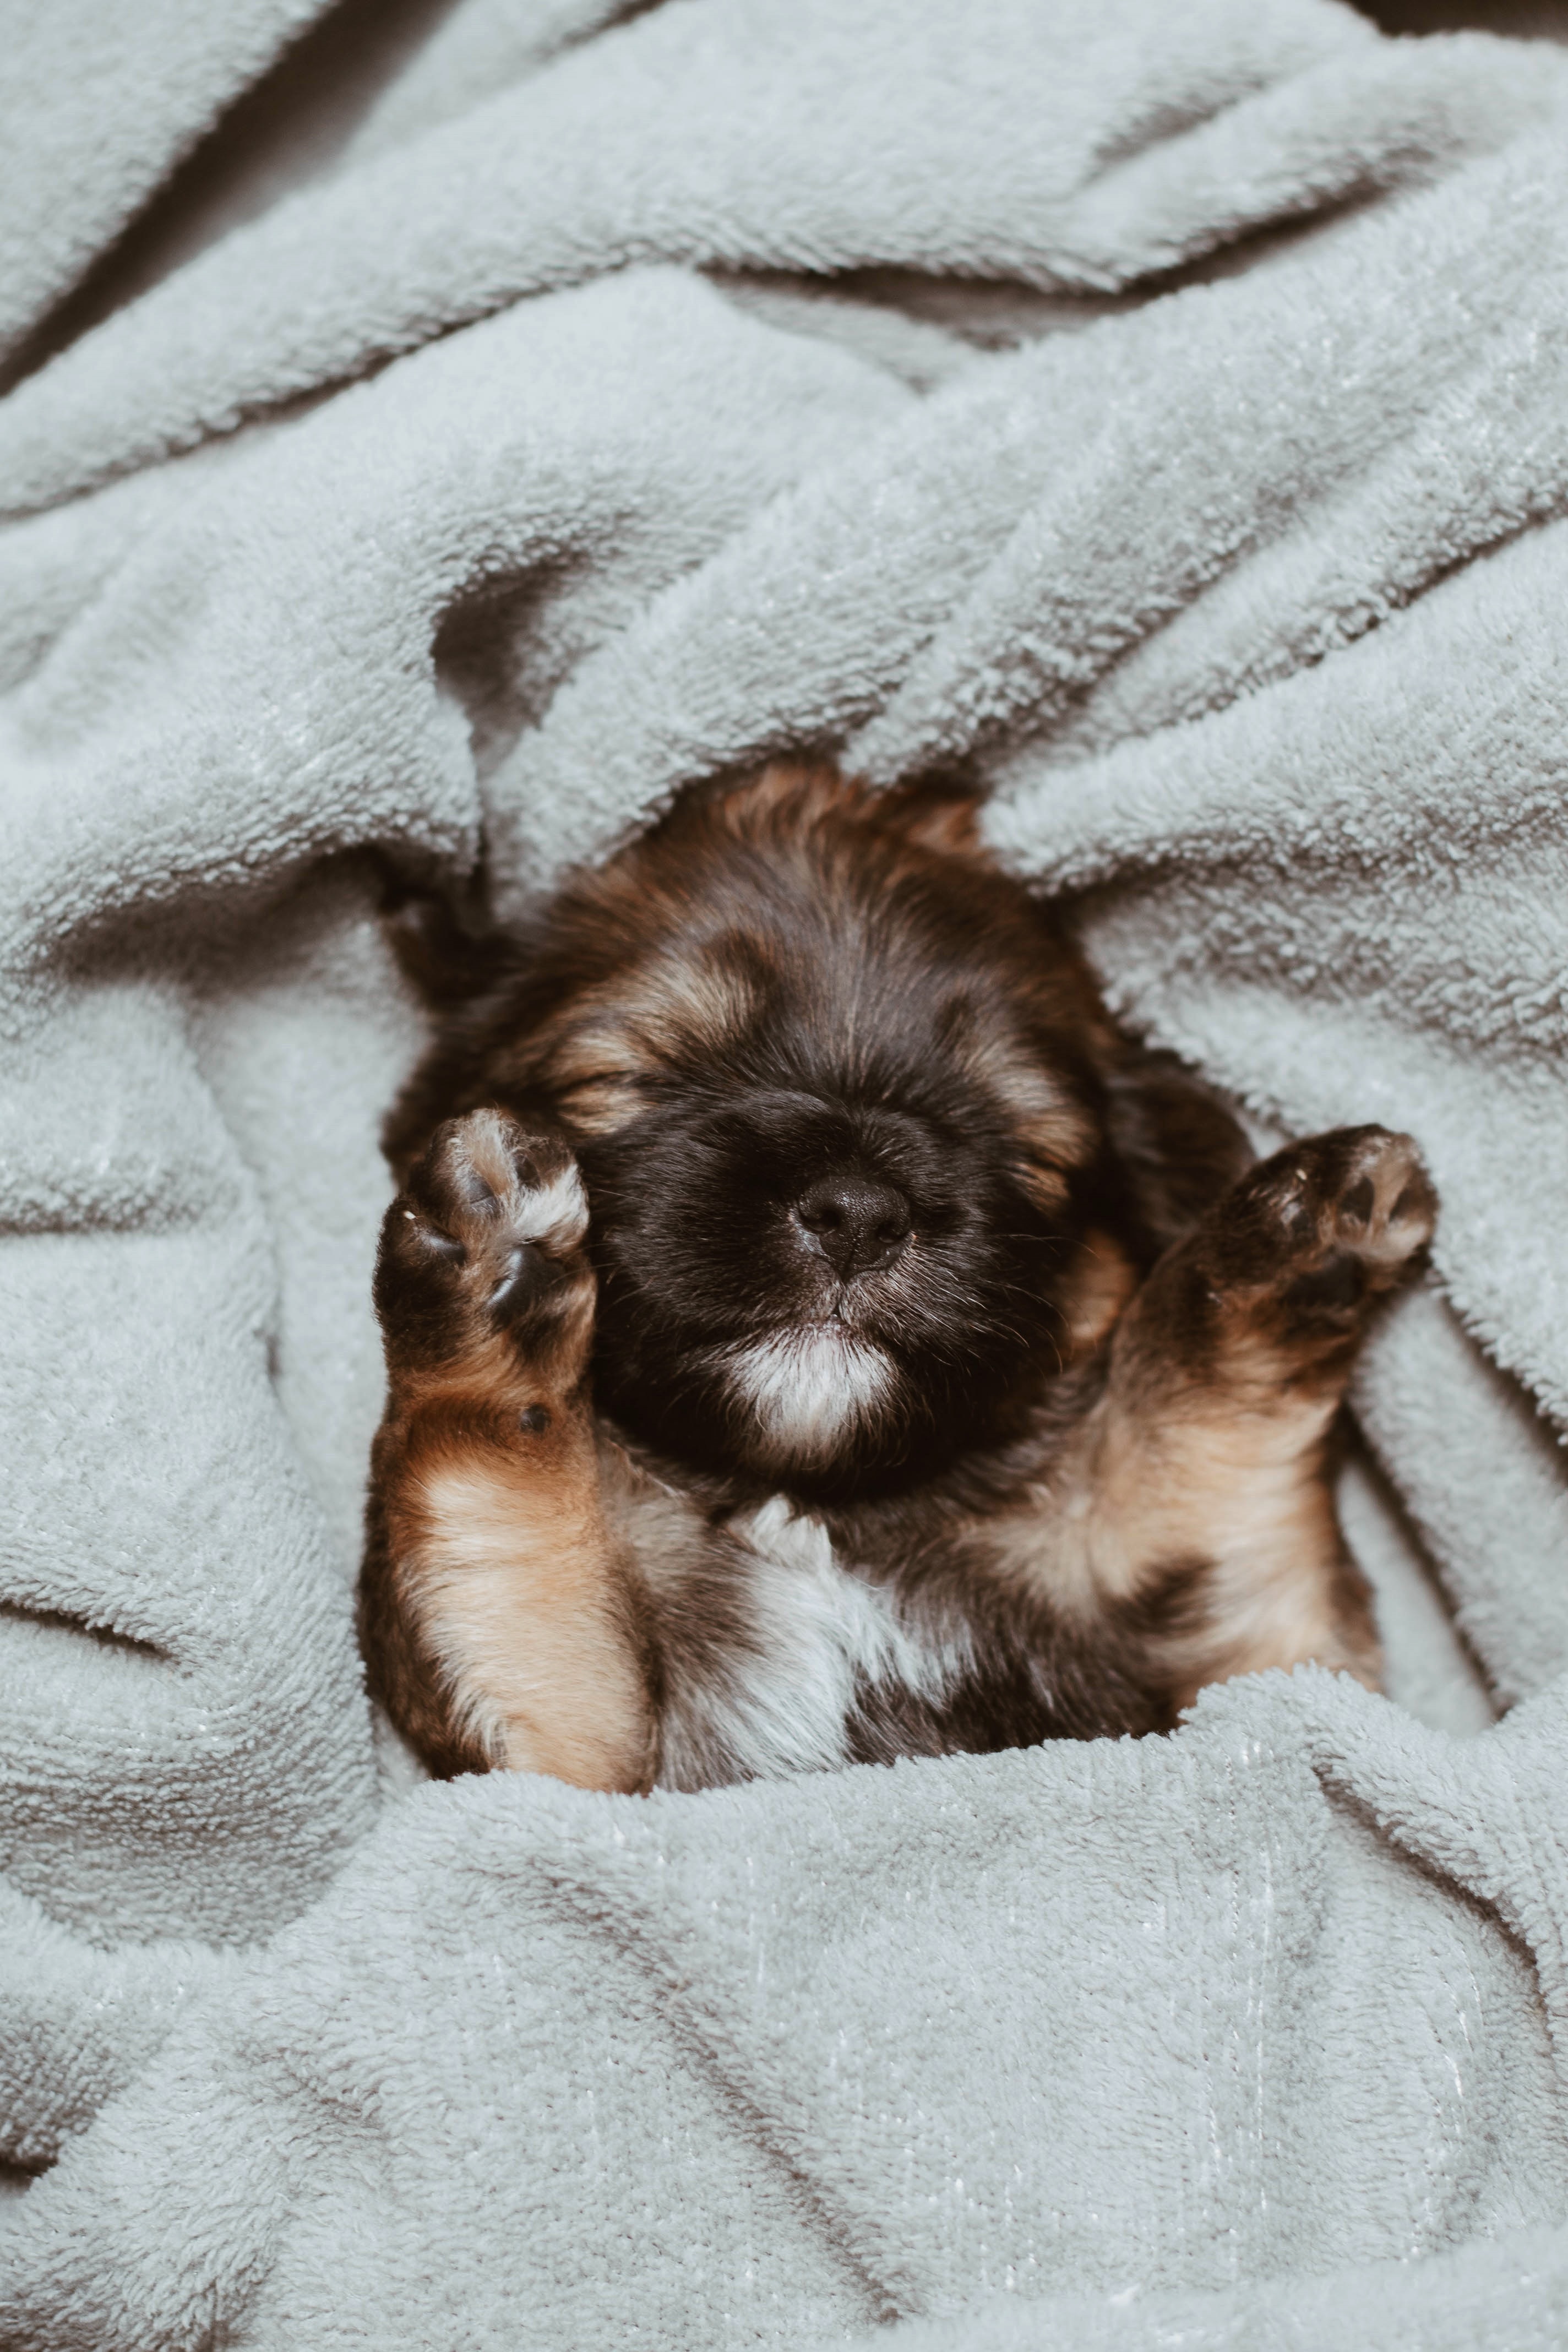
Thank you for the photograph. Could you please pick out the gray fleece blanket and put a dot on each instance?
(1162, 412)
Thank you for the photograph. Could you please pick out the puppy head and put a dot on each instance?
(844, 1099)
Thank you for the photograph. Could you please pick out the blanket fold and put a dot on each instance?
(996, 2045)
(1086, 149)
(1156, 415)
(99, 107)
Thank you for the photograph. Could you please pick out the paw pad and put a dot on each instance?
(490, 1216)
(1331, 1221)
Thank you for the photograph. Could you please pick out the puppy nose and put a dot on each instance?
(858, 1223)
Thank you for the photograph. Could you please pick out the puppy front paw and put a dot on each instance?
(486, 1238)
(1325, 1226)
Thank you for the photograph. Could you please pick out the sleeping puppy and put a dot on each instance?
(814, 1333)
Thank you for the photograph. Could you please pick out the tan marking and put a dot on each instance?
(600, 1049)
(683, 1002)
(1209, 1479)
(1055, 1133)
(1278, 1604)
(1220, 1462)
(949, 828)
(1099, 1286)
(799, 789)
(518, 1591)
(840, 827)
(599, 1105)
(1214, 1480)
(699, 999)
(1046, 1186)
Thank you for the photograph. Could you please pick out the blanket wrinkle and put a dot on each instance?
(1432, 1664)
(1021, 577)
(709, 132)
(1239, 600)
(1381, 854)
(1446, 1423)
(160, 676)
(1486, 1812)
(1000, 509)
(139, 93)
(83, 2022)
(1452, 2303)
(918, 351)
(147, 1697)
(1484, 464)
(779, 1977)
(1022, 651)
(475, 49)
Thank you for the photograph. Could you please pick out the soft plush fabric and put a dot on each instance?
(1161, 414)
(98, 103)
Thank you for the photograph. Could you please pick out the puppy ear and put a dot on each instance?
(1177, 1146)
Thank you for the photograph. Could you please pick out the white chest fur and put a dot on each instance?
(819, 1638)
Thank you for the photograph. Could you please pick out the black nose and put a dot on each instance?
(858, 1223)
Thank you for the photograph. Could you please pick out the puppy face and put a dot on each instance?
(852, 1123)
(835, 1092)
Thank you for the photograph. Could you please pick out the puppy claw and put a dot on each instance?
(509, 1280)
(431, 1238)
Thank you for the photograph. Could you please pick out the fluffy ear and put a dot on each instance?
(1178, 1147)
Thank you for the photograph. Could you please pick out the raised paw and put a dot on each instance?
(486, 1240)
(1325, 1226)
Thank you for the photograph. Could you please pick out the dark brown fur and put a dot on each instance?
(930, 1375)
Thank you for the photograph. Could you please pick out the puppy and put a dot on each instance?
(814, 1333)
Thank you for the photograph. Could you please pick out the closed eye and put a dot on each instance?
(601, 1102)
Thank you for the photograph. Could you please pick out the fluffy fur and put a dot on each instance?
(930, 1374)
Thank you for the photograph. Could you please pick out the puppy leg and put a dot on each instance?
(494, 1615)
(1203, 1506)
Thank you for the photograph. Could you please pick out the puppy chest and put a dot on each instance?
(774, 1653)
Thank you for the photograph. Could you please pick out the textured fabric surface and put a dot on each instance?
(1160, 413)
(98, 103)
